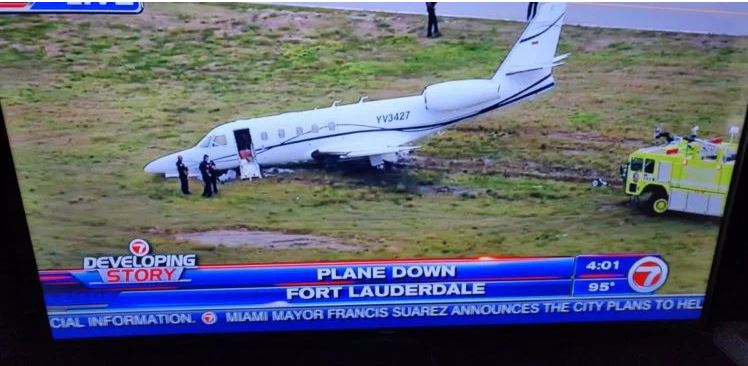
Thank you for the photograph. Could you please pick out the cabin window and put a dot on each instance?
(264, 135)
(219, 140)
(331, 126)
(299, 131)
(636, 164)
(315, 128)
(649, 166)
(281, 133)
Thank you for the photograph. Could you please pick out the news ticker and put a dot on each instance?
(72, 7)
(103, 323)
(143, 283)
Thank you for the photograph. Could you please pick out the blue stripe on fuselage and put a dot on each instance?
(509, 100)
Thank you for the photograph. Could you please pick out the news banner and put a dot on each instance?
(143, 292)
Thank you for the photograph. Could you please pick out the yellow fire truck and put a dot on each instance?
(685, 174)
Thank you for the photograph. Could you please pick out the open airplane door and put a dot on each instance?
(248, 166)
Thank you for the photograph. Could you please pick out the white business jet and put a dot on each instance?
(383, 131)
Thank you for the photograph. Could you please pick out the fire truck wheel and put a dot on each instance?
(658, 204)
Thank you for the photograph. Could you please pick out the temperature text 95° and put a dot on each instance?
(600, 286)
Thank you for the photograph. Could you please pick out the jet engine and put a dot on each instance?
(459, 94)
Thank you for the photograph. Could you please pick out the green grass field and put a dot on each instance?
(88, 101)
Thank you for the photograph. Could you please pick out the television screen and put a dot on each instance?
(218, 168)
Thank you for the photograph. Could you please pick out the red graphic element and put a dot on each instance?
(139, 247)
(139, 275)
(209, 318)
(12, 5)
(647, 274)
(600, 275)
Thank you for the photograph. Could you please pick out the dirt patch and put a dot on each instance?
(583, 138)
(442, 189)
(265, 240)
(523, 168)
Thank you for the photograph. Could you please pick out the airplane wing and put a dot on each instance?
(353, 152)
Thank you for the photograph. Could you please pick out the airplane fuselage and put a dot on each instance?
(294, 137)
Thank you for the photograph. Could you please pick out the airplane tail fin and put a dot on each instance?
(534, 53)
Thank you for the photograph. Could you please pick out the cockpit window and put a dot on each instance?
(205, 142)
(219, 140)
(636, 164)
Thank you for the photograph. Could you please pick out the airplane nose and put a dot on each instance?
(160, 165)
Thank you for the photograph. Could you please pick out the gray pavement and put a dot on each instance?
(714, 18)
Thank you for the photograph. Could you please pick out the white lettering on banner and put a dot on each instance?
(65, 322)
(306, 314)
(139, 319)
(585, 306)
(316, 292)
(495, 309)
(625, 305)
(147, 261)
(387, 290)
(418, 289)
(380, 272)
(687, 306)
(140, 266)
(246, 316)
(423, 271)
(351, 273)
(419, 311)
(358, 313)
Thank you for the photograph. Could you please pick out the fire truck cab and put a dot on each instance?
(685, 174)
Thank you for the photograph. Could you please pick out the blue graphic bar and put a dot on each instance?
(608, 265)
(88, 324)
(385, 272)
(595, 287)
(125, 295)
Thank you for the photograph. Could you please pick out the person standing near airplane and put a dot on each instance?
(244, 156)
(213, 176)
(182, 169)
(204, 171)
(431, 9)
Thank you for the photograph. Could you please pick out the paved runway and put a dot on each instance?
(716, 18)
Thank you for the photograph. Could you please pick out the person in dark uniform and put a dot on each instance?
(204, 171)
(213, 176)
(433, 25)
(182, 170)
(532, 10)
